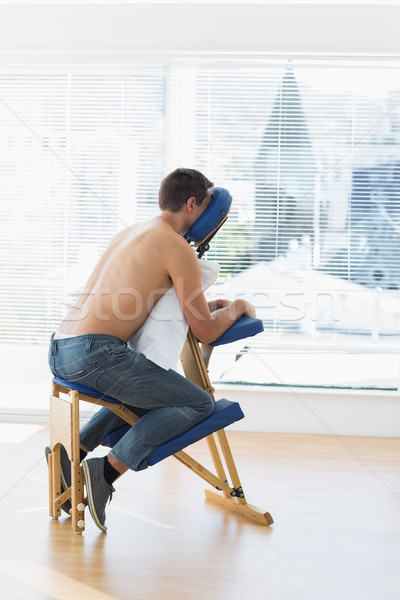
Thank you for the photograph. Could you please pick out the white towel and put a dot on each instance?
(162, 336)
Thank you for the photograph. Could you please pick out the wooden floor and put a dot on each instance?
(336, 505)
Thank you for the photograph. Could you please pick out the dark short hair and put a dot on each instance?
(180, 185)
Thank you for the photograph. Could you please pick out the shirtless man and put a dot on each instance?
(90, 347)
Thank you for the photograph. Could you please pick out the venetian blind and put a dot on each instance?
(81, 155)
(311, 153)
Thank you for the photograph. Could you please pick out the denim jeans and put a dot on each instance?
(167, 402)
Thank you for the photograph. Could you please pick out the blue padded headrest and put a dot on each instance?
(212, 218)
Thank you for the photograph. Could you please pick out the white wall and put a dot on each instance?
(149, 27)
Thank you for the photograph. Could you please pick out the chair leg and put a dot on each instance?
(54, 488)
(219, 467)
(77, 499)
(230, 463)
(77, 485)
(50, 476)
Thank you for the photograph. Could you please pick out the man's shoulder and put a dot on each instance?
(171, 240)
(156, 232)
(166, 243)
(176, 252)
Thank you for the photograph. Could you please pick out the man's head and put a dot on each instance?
(180, 185)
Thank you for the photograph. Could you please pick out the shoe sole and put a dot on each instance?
(86, 474)
(67, 506)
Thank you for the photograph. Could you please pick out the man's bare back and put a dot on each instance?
(127, 281)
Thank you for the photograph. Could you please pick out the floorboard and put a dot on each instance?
(335, 502)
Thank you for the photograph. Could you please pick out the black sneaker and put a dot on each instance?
(98, 490)
(65, 474)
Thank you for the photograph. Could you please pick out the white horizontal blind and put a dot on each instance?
(81, 155)
(311, 153)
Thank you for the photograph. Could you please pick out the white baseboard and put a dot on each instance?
(283, 410)
(320, 411)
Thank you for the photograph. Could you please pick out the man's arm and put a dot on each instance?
(184, 269)
(219, 303)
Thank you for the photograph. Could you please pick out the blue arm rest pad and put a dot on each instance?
(225, 412)
(244, 327)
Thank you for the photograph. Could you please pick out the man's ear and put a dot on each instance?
(190, 204)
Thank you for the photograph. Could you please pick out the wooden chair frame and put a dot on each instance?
(64, 429)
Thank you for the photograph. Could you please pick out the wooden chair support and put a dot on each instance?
(64, 429)
(195, 359)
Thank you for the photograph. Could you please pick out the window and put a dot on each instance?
(309, 150)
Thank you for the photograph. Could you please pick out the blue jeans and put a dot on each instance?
(167, 403)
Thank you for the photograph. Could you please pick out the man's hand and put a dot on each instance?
(217, 304)
(245, 308)
(238, 307)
